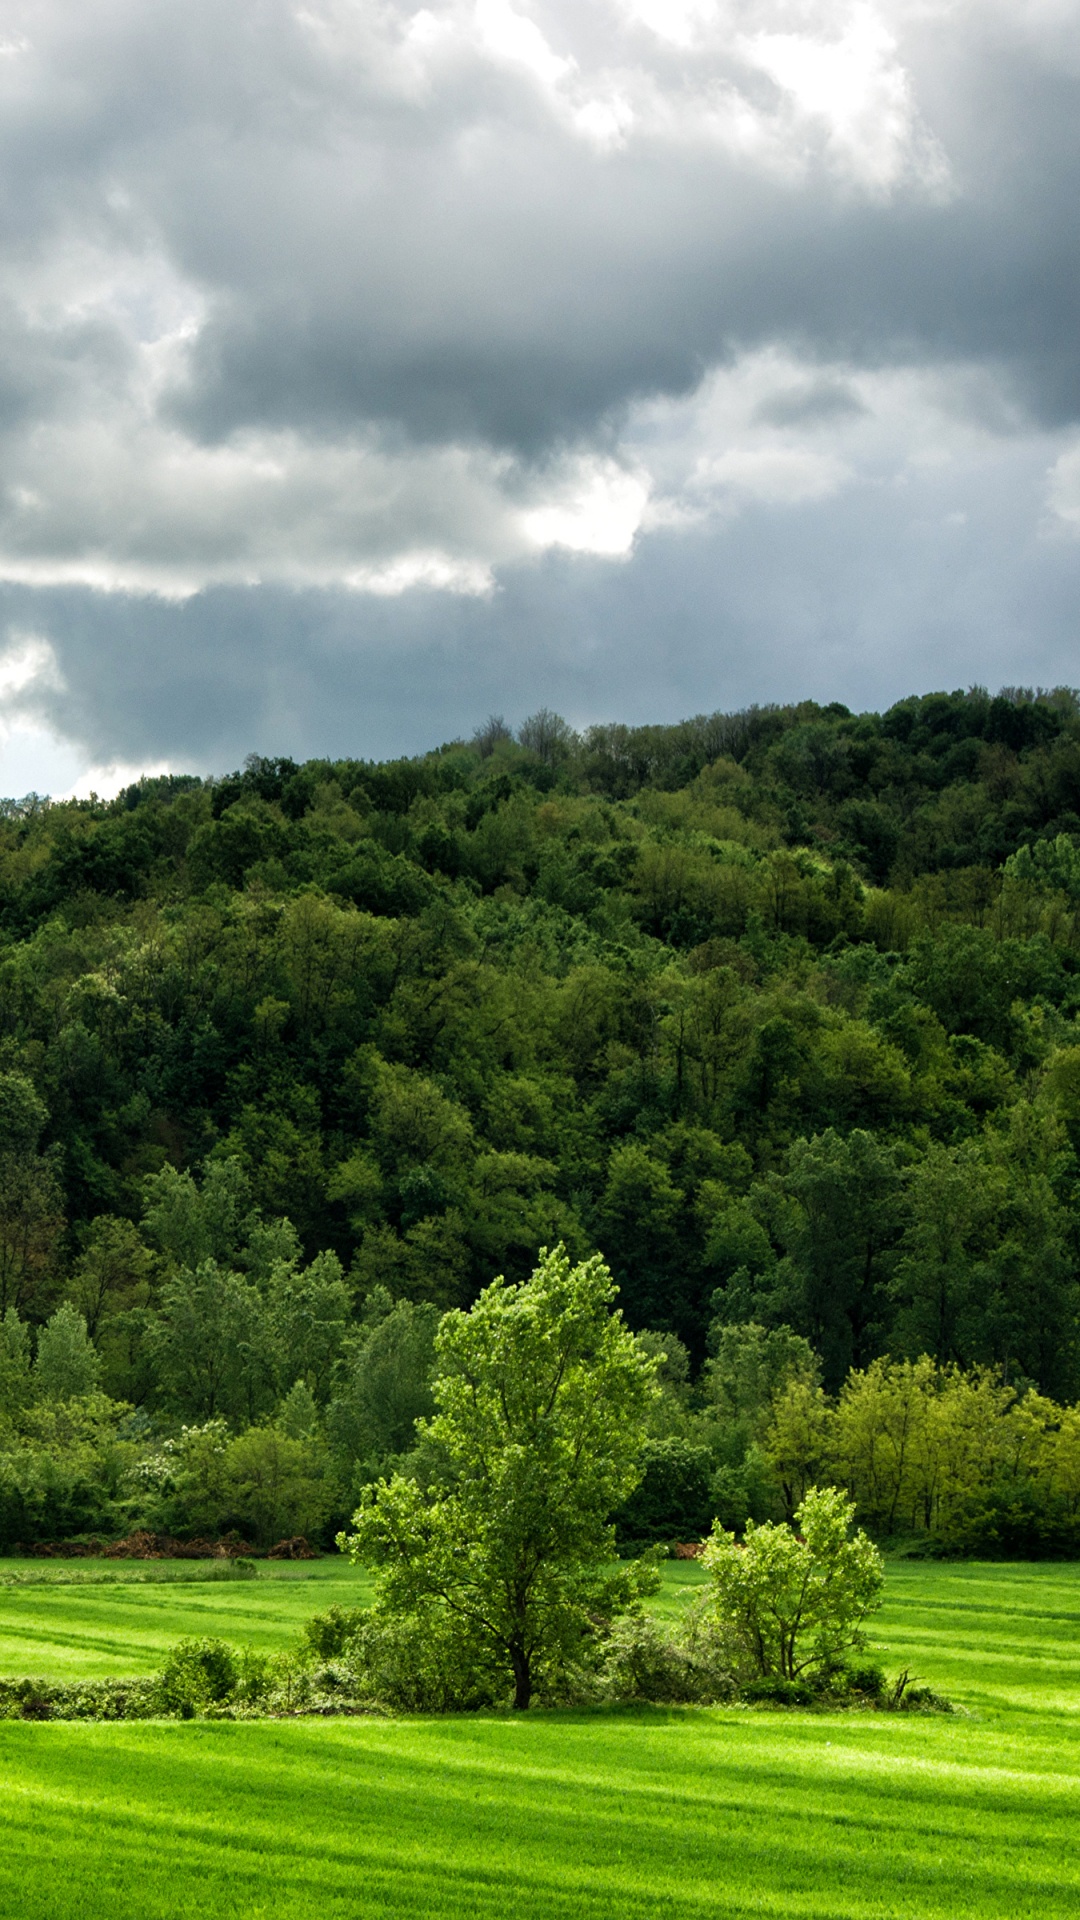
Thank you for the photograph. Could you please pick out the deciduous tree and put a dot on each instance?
(542, 1396)
(794, 1603)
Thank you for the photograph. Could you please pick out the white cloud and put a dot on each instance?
(131, 505)
(510, 35)
(107, 781)
(598, 508)
(1063, 488)
(855, 86)
(33, 758)
(682, 23)
(27, 663)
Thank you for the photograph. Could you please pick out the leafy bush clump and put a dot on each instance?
(198, 1674)
(82, 1700)
(424, 1661)
(792, 1604)
(688, 1665)
(327, 1635)
(1017, 1522)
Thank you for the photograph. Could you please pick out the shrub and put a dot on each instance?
(327, 1635)
(424, 1662)
(198, 1674)
(686, 1665)
(773, 1690)
(793, 1606)
(33, 1699)
(1017, 1521)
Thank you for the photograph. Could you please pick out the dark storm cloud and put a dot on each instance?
(530, 303)
(843, 600)
(300, 307)
(443, 255)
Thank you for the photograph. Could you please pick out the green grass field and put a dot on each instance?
(620, 1816)
(89, 1619)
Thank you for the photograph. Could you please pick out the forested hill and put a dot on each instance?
(777, 1009)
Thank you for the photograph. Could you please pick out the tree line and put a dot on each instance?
(776, 1010)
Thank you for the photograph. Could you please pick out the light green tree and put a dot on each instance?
(308, 1314)
(276, 1482)
(15, 1377)
(750, 1367)
(793, 1603)
(798, 1440)
(542, 1398)
(110, 1274)
(191, 1224)
(67, 1365)
(212, 1347)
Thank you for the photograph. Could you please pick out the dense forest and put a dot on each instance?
(778, 1010)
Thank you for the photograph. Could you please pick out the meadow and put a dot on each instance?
(635, 1814)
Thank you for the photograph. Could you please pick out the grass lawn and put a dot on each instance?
(620, 1816)
(89, 1619)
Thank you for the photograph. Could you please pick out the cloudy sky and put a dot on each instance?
(367, 367)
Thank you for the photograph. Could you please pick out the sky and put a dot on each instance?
(367, 368)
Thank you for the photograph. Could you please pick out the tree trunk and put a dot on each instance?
(519, 1660)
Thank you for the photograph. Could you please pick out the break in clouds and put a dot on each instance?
(364, 366)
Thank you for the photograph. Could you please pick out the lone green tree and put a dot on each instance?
(542, 1397)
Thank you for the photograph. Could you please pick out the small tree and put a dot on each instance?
(67, 1364)
(794, 1603)
(212, 1345)
(111, 1274)
(15, 1378)
(276, 1483)
(542, 1397)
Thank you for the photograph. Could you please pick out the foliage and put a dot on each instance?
(198, 1674)
(541, 1398)
(34, 1699)
(211, 1343)
(777, 1011)
(751, 1366)
(16, 1386)
(67, 1365)
(384, 1381)
(674, 1498)
(64, 1470)
(688, 1663)
(934, 1450)
(266, 1483)
(275, 1484)
(327, 1635)
(793, 1603)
